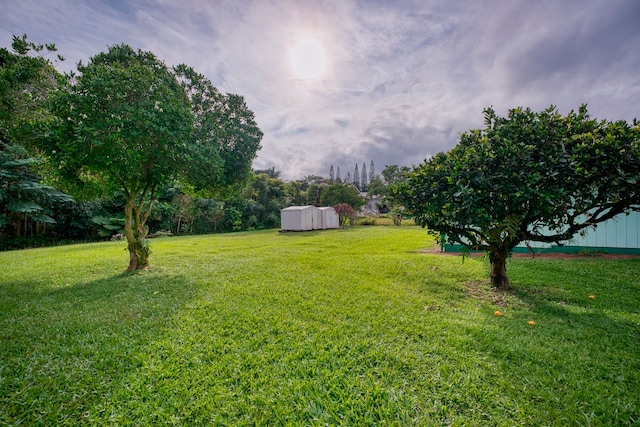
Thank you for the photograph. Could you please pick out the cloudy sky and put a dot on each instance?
(345, 81)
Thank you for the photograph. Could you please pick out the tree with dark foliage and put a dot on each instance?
(530, 176)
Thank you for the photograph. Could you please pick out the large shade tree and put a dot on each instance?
(128, 122)
(528, 177)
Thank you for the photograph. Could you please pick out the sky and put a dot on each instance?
(347, 82)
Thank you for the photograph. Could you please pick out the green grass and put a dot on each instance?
(354, 327)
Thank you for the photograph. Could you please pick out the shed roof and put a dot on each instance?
(298, 208)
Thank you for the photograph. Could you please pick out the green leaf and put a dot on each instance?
(24, 207)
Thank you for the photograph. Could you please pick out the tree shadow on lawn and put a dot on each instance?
(605, 297)
(67, 349)
(568, 310)
(581, 353)
(611, 285)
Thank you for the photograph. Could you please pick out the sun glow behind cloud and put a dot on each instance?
(308, 58)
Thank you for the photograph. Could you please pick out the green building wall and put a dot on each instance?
(619, 235)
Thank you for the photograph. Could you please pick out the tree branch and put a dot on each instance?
(147, 212)
(601, 214)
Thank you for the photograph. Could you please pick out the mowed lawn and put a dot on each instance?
(355, 327)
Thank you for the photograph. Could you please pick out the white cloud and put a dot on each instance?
(402, 78)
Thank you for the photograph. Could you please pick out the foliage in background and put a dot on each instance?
(27, 79)
(24, 200)
(335, 194)
(526, 177)
(269, 195)
(380, 186)
(384, 220)
(345, 213)
(108, 226)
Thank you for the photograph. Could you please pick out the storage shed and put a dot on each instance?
(299, 218)
(328, 218)
(305, 218)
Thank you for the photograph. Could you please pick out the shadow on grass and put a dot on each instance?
(67, 349)
(600, 285)
(581, 352)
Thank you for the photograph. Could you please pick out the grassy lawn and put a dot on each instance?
(353, 327)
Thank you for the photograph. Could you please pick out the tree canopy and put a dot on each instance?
(530, 176)
(224, 138)
(345, 213)
(336, 194)
(128, 122)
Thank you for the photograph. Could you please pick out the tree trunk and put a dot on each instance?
(136, 238)
(138, 255)
(16, 227)
(499, 277)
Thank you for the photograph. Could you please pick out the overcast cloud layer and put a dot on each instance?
(402, 78)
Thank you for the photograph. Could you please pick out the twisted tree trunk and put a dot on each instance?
(136, 233)
(499, 277)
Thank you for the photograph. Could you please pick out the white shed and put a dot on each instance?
(328, 218)
(299, 218)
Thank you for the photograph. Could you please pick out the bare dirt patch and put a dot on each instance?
(552, 255)
(482, 290)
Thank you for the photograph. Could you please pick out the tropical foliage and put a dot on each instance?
(26, 81)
